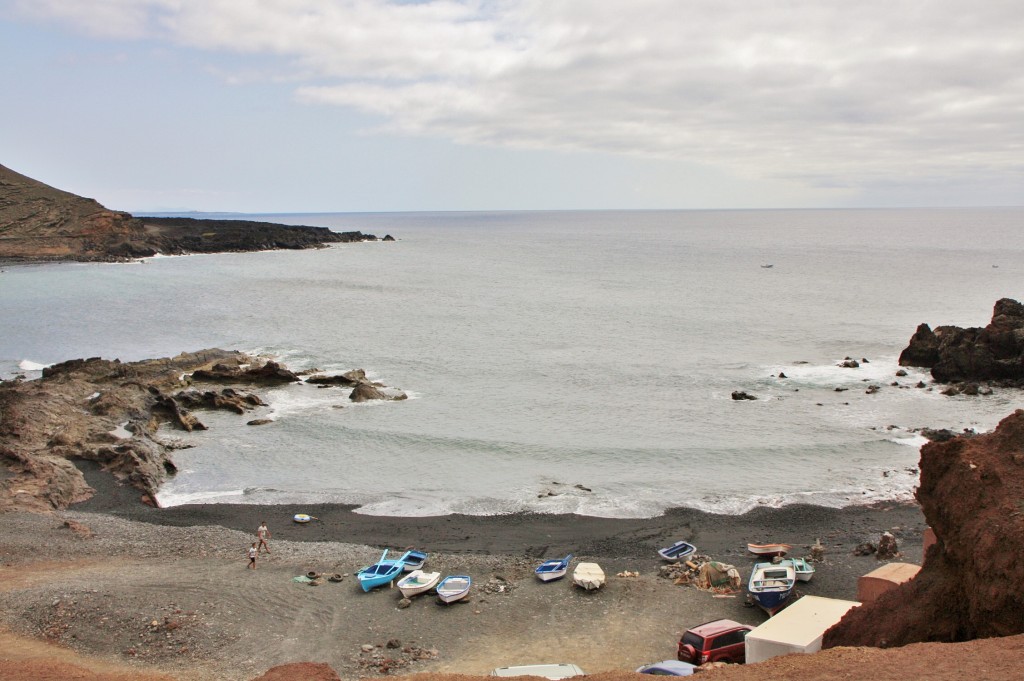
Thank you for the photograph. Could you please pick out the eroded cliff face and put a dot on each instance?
(954, 354)
(40, 222)
(972, 494)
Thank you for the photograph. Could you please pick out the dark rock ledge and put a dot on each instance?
(993, 354)
(110, 413)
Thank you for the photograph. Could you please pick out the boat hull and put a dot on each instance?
(769, 549)
(550, 570)
(681, 550)
(418, 582)
(454, 588)
(771, 585)
(414, 560)
(551, 575)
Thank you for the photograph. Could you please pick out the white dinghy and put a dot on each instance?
(588, 576)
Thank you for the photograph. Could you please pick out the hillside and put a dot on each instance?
(41, 223)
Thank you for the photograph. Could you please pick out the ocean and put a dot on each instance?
(556, 362)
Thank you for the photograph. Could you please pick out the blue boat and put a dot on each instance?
(550, 570)
(414, 560)
(681, 550)
(771, 584)
(380, 573)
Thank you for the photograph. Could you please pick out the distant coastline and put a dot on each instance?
(39, 223)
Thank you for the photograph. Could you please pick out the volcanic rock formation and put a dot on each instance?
(110, 412)
(39, 222)
(972, 495)
(994, 353)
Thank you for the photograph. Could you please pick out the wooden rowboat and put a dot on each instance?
(454, 588)
(418, 582)
(771, 584)
(679, 551)
(769, 549)
(804, 570)
(380, 573)
(550, 570)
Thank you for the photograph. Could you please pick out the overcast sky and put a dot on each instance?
(375, 105)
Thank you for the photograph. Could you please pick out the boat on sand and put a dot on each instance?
(417, 582)
(771, 584)
(550, 570)
(588, 576)
(679, 551)
(380, 573)
(769, 549)
(804, 570)
(454, 588)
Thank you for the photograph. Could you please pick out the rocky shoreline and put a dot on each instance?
(112, 413)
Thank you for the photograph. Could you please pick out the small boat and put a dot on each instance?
(454, 588)
(767, 266)
(380, 573)
(768, 549)
(414, 560)
(417, 582)
(588, 576)
(771, 584)
(303, 518)
(804, 570)
(679, 551)
(550, 570)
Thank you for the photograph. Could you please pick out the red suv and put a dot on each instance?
(718, 641)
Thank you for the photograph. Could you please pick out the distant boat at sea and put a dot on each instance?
(767, 266)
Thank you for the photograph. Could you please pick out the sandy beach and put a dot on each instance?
(168, 590)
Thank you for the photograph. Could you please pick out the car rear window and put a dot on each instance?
(690, 638)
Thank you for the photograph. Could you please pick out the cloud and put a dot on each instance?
(827, 93)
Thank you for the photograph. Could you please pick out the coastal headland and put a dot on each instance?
(41, 223)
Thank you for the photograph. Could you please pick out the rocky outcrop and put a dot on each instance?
(39, 222)
(972, 495)
(270, 373)
(349, 378)
(994, 353)
(110, 412)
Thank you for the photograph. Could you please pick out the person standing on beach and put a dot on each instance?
(252, 556)
(264, 534)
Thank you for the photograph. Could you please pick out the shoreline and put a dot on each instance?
(168, 590)
(527, 534)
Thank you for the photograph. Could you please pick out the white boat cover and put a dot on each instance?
(590, 576)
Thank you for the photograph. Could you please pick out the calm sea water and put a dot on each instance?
(557, 361)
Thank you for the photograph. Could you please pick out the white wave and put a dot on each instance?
(233, 496)
(29, 365)
(880, 370)
(912, 441)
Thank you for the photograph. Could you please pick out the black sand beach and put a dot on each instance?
(621, 541)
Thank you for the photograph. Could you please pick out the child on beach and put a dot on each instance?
(252, 556)
(264, 534)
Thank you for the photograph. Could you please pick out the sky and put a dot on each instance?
(402, 105)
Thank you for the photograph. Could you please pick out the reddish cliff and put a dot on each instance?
(972, 494)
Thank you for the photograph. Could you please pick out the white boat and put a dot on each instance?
(771, 584)
(588, 576)
(768, 549)
(550, 570)
(417, 582)
(454, 588)
(804, 570)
